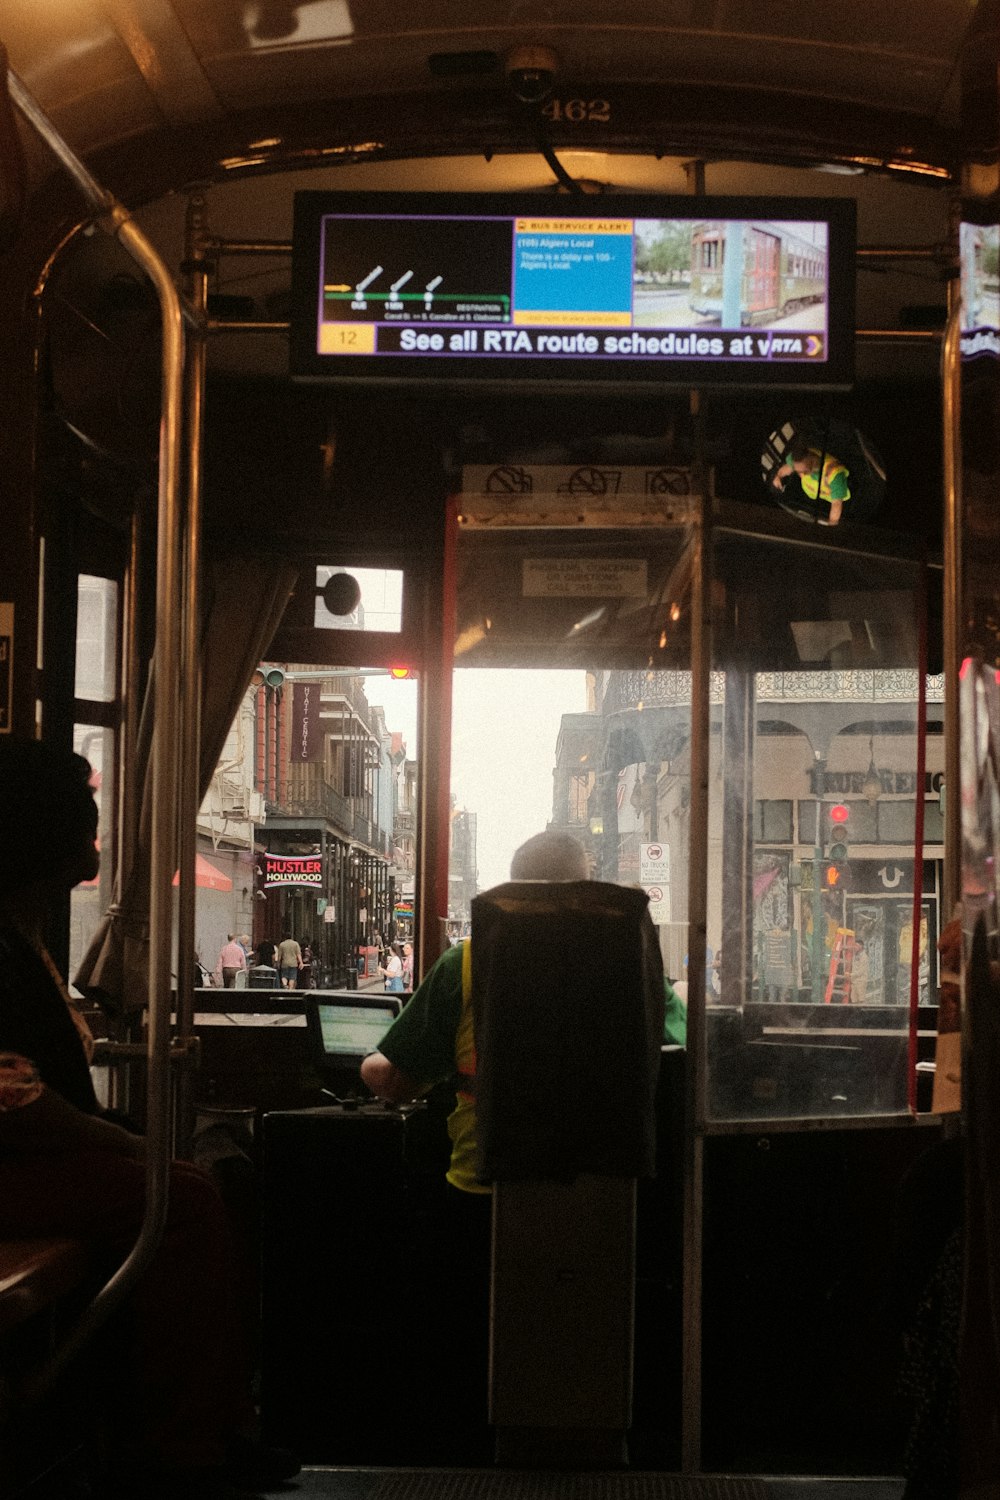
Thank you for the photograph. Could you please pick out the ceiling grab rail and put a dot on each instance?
(114, 218)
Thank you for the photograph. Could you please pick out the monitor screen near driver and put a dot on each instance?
(345, 1030)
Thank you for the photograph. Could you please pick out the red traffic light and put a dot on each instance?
(400, 672)
(839, 813)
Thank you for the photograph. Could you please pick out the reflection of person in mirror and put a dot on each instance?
(859, 974)
(832, 486)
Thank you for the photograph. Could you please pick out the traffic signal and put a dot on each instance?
(837, 871)
(400, 672)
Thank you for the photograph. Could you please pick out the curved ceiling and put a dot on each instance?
(260, 97)
(136, 79)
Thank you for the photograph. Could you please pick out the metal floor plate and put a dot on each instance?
(529, 1485)
(480, 1484)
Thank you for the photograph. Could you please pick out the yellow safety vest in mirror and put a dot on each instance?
(831, 468)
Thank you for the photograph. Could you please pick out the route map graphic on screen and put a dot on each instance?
(498, 289)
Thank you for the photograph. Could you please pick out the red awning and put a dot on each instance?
(207, 876)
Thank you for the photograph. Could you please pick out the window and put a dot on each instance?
(359, 599)
(96, 627)
(812, 863)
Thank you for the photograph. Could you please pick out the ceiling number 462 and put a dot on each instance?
(576, 111)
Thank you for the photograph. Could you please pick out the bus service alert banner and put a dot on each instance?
(293, 869)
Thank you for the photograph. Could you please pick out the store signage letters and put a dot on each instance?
(307, 741)
(293, 869)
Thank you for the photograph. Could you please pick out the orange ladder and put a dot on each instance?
(838, 983)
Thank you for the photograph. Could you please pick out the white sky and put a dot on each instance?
(504, 729)
(399, 699)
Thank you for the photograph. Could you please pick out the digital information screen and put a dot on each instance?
(979, 251)
(399, 287)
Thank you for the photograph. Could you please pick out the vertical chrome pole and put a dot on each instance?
(129, 791)
(165, 732)
(188, 800)
(131, 691)
(116, 221)
(695, 1091)
(434, 706)
(696, 1055)
(954, 606)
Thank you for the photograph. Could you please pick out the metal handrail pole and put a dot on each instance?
(898, 335)
(252, 247)
(190, 719)
(32, 111)
(693, 1159)
(951, 415)
(247, 325)
(901, 252)
(694, 1108)
(128, 804)
(116, 220)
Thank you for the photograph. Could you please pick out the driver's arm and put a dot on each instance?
(418, 1050)
(386, 1081)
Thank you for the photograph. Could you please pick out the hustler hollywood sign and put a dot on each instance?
(293, 869)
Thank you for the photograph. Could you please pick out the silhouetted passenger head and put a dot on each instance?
(48, 817)
(550, 856)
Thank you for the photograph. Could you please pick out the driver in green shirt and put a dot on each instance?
(433, 1040)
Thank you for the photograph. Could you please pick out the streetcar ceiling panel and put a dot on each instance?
(117, 70)
(156, 94)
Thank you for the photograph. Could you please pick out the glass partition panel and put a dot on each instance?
(812, 862)
(572, 711)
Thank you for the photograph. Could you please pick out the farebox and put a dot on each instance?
(567, 1057)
